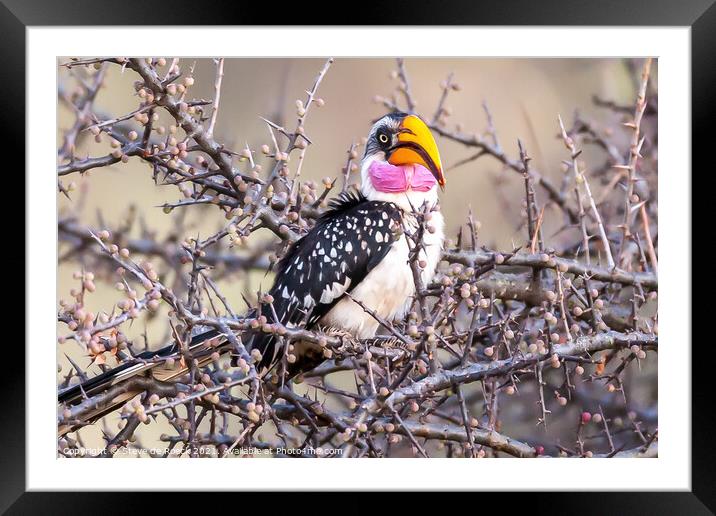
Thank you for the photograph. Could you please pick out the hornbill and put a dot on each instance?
(357, 250)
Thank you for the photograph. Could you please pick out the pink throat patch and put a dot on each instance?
(400, 178)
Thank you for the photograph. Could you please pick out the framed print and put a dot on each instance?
(456, 255)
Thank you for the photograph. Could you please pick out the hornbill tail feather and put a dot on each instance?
(141, 364)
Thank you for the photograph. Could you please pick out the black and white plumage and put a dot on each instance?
(334, 258)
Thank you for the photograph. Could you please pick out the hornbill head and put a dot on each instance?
(401, 155)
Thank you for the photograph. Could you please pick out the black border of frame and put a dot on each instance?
(16, 15)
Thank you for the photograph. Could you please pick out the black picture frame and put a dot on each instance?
(17, 15)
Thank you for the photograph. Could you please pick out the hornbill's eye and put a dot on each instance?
(383, 138)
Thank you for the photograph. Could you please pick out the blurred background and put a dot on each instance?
(524, 97)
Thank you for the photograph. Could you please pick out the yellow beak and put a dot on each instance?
(416, 145)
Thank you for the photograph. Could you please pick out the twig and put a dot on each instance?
(217, 96)
(581, 179)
